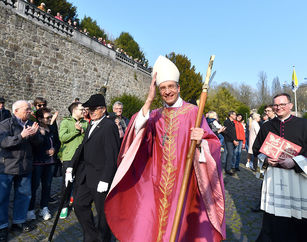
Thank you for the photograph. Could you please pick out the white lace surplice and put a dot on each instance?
(284, 192)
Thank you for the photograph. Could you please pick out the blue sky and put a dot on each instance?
(247, 36)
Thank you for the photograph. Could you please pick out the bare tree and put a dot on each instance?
(301, 94)
(276, 87)
(264, 92)
(246, 95)
(231, 88)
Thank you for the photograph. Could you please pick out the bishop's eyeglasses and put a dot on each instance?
(172, 87)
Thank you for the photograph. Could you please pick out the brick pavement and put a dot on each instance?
(241, 192)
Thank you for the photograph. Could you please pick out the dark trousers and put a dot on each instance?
(41, 174)
(65, 165)
(83, 199)
(229, 157)
(282, 229)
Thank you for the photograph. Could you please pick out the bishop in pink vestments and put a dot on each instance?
(142, 200)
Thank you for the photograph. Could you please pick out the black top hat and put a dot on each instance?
(2, 100)
(95, 100)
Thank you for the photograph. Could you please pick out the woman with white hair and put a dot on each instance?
(215, 126)
(253, 131)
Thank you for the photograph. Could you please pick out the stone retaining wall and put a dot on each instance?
(36, 60)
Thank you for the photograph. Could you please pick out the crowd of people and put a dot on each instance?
(33, 149)
(73, 23)
(106, 159)
(235, 135)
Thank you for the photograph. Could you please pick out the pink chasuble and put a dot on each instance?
(143, 197)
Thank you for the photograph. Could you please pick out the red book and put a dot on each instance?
(277, 147)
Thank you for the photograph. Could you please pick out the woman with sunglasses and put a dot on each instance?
(43, 163)
(38, 103)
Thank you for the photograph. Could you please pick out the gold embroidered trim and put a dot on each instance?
(168, 169)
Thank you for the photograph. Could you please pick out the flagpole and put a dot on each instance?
(294, 88)
(295, 102)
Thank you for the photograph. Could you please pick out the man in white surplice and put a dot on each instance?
(284, 190)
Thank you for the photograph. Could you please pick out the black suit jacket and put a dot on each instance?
(96, 157)
(230, 131)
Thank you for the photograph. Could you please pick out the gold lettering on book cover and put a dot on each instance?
(168, 177)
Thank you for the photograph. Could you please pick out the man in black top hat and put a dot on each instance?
(94, 166)
(4, 113)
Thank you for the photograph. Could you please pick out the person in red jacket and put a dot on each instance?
(241, 139)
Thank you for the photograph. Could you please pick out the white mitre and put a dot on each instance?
(166, 70)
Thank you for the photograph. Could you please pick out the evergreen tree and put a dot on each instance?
(132, 104)
(92, 27)
(222, 101)
(126, 42)
(244, 110)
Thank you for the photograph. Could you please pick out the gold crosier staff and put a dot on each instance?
(190, 155)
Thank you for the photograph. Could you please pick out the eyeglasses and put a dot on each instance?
(41, 105)
(170, 88)
(92, 109)
(281, 105)
(268, 110)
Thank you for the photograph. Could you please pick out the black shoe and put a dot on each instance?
(3, 234)
(237, 169)
(53, 200)
(24, 227)
(229, 173)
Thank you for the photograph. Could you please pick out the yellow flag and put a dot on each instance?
(294, 79)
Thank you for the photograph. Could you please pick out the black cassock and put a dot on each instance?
(276, 228)
(95, 161)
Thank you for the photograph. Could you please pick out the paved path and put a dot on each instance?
(241, 192)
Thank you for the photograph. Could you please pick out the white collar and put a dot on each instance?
(177, 104)
(95, 122)
(282, 120)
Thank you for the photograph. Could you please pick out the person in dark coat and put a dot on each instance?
(284, 194)
(94, 166)
(45, 158)
(230, 140)
(17, 137)
(4, 113)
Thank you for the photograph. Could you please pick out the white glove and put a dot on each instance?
(287, 163)
(68, 176)
(102, 186)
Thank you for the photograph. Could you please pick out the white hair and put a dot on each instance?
(18, 103)
(118, 103)
(255, 115)
(212, 114)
